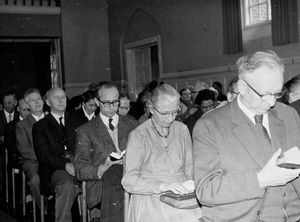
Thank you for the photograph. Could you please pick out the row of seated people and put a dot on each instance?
(66, 153)
(46, 143)
(54, 146)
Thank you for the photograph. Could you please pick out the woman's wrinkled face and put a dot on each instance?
(165, 110)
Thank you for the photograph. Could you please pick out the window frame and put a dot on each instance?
(246, 14)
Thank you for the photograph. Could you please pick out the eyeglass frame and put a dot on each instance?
(125, 107)
(276, 95)
(109, 103)
(166, 114)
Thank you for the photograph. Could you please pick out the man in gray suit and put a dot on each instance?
(30, 166)
(106, 133)
(235, 155)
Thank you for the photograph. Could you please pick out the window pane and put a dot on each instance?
(258, 11)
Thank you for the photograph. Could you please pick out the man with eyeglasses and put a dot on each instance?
(96, 140)
(236, 148)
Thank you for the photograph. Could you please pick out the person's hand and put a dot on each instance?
(108, 162)
(273, 175)
(70, 169)
(175, 187)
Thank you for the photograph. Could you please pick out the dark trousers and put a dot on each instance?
(65, 194)
(30, 168)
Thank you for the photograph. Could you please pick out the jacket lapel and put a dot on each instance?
(277, 130)
(244, 131)
(55, 126)
(103, 134)
(31, 120)
(82, 116)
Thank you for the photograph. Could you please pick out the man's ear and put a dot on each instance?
(47, 102)
(150, 108)
(242, 87)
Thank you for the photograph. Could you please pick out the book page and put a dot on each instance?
(189, 185)
(291, 156)
(117, 155)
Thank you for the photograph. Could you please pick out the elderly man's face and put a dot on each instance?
(35, 102)
(57, 101)
(265, 81)
(9, 103)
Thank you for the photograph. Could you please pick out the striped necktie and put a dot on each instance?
(111, 126)
(263, 131)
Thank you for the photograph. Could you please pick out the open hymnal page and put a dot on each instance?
(117, 156)
(290, 158)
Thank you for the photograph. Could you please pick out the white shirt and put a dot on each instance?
(87, 115)
(251, 115)
(7, 115)
(56, 116)
(105, 120)
(37, 118)
(113, 133)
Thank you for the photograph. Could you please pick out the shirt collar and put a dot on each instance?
(105, 120)
(87, 115)
(56, 116)
(251, 115)
(7, 114)
(37, 118)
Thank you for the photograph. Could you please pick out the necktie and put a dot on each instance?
(10, 117)
(111, 126)
(64, 141)
(263, 131)
(61, 123)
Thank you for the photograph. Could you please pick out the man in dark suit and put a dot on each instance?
(236, 149)
(106, 133)
(30, 166)
(10, 132)
(8, 114)
(51, 148)
(87, 112)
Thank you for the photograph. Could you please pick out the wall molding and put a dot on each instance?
(218, 69)
(5, 9)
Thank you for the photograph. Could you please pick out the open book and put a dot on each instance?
(290, 159)
(116, 156)
(189, 185)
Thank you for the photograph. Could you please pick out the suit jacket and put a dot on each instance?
(93, 145)
(228, 153)
(296, 105)
(76, 119)
(3, 121)
(24, 137)
(10, 142)
(48, 142)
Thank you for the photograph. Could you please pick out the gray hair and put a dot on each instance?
(250, 63)
(161, 92)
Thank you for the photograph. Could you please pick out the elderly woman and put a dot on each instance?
(159, 159)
